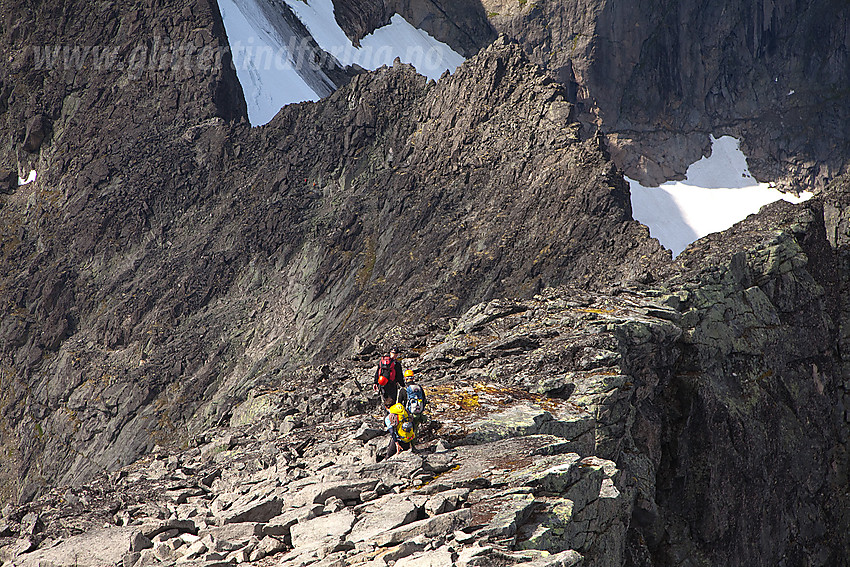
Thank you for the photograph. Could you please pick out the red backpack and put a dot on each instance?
(386, 370)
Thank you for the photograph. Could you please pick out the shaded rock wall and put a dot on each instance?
(118, 83)
(753, 435)
(461, 24)
(659, 79)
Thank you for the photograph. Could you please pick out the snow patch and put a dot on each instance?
(264, 65)
(30, 178)
(275, 67)
(398, 39)
(718, 191)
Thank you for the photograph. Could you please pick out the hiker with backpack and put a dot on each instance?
(388, 377)
(400, 425)
(415, 402)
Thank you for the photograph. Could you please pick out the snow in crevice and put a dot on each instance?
(399, 39)
(276, 65)
(29, 179)
(718, 191)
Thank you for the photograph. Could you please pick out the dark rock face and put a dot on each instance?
(8, 180)
(462, 24)
(753, 416)
(658, 81)
(36, 131)
(359, 18)
(91, 112)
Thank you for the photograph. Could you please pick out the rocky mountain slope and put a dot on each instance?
(175, 279)
(653, 426)
(158, 270)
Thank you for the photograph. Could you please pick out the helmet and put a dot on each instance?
(408, 373)
(398, 409)
(406, 426)
(382, 380)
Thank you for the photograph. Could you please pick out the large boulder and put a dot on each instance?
(106, 546)
(324, 528)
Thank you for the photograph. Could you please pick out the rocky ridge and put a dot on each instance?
(503, 475)
(172, 271)
(146, 296)
(650, 426)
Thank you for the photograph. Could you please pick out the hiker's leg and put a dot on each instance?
(391, 448)
(392, 392)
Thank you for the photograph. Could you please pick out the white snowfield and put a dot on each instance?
(398, 39)
(718, 191)
(264, 66)
(273, 65)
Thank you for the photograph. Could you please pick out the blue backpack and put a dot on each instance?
(416, 400)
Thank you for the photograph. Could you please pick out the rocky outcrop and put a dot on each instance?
(359, 18)
(755, 396)
(174, 279)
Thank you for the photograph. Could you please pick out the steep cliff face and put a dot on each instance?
(162, 67)
(91, 112)
(753, 441)
(493, 197)
(659, 79)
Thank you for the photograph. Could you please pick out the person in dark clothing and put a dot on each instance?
(388, 377)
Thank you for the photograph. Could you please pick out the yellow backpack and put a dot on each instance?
(405, 426)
